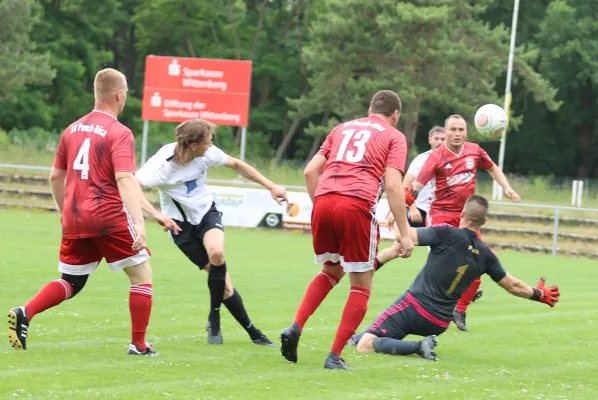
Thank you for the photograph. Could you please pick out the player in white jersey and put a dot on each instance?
(179, 171)
(421, 207)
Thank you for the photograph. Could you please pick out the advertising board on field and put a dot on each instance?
(251, 208)
(180, 88)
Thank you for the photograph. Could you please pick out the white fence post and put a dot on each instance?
(574, 193)
(579, 192)
(555, 234)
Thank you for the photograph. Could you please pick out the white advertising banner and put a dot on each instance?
(250, 208)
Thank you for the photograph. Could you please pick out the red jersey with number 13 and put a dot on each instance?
(92, 150)
(455, 176)
(357, 154)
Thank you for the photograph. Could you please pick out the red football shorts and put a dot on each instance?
(82, 256)
(345, 230)
(446, 219)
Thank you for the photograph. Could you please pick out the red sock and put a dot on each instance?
(468, 295)
(140, 305)
(51, 295)
(315, 294)
(355, 309)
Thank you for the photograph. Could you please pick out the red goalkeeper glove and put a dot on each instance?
(547, 295)
(410, 195)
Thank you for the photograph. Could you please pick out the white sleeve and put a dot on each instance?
(215, 157)
(417, 164)
(149, 175)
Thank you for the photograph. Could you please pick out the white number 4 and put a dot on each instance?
(81, 162)
(359, 140)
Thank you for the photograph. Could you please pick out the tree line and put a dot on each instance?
(317, 62)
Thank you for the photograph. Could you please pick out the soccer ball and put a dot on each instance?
(490, 119)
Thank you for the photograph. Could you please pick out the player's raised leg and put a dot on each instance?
(49, 296)
(78, 259)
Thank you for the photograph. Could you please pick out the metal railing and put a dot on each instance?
(557, 212)
(557, 209)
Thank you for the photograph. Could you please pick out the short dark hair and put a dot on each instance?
(476, 209)
(437, 129)
(385, 102)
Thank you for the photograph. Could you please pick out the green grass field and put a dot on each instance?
(516, 349)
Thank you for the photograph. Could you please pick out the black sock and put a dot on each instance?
(388, 345)
(234, 304)
(216, 283)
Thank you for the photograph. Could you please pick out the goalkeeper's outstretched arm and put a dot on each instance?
(541, 293)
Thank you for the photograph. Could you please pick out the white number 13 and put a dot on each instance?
(81, 162)
(359, 140)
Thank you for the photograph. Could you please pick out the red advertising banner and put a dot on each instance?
(179, 88)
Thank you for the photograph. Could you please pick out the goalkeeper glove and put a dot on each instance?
(547, 295)
(410, 195)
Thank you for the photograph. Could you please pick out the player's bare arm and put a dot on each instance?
(57, 186)
(312, 174)
(497, 174)
(279, 194)
(411, 190)
(541, 293)
(394, 251)
(130, 193)
(408, 179)
(164, 220)
(396, 200)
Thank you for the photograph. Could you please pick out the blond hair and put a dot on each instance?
(107, 82)
(191, 131)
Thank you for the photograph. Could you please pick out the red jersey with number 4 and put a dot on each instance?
(357, 154)
(455, 176)
(92, 150)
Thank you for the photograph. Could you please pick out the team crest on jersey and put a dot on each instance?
(191, 185)
(469, 163)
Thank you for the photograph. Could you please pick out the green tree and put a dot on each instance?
(568, 43)
(434, 53)
(76, 35)
(20, 63)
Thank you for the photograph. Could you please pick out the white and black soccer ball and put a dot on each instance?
(490, 120)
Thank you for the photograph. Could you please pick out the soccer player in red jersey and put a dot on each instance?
(453, 170)
(345, 180)
(94, 186)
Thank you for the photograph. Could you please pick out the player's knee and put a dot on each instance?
(366, 343)
(216, 255)
(334, 269)
(77, 282)
(140, 274)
